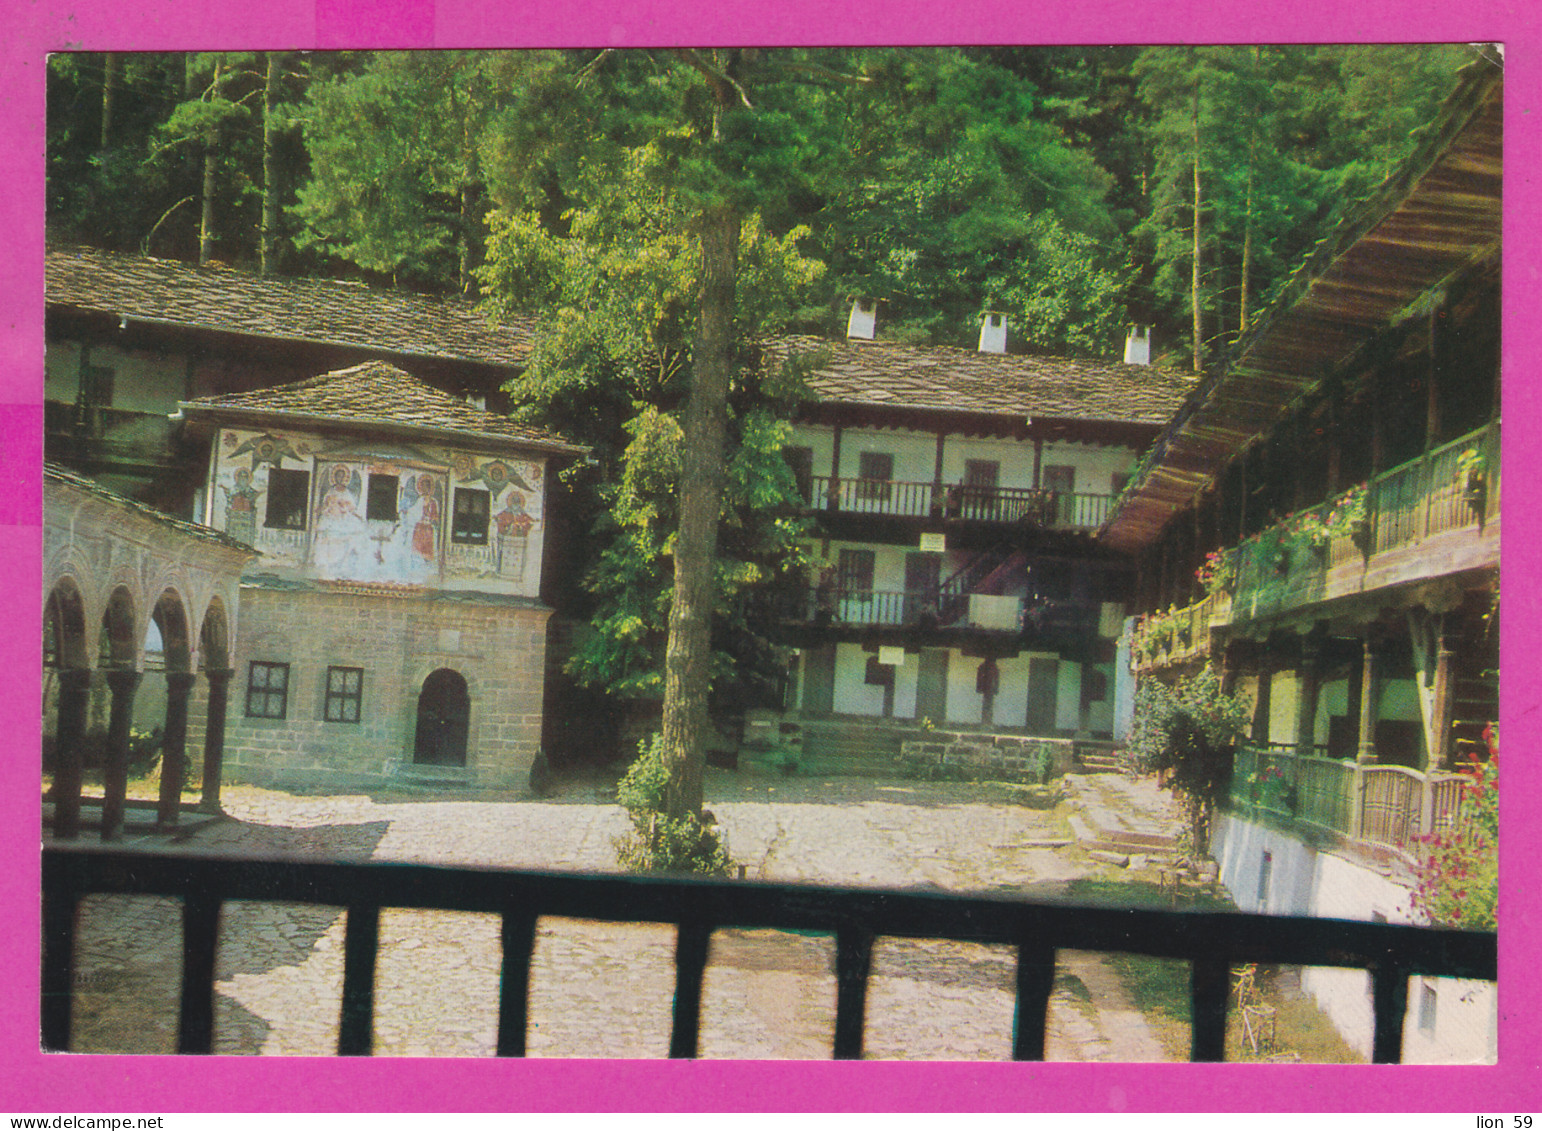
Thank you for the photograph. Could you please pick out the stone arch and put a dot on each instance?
(443, 731)
(65, 643)
(119, 644)
(214, 637)
(170, 616)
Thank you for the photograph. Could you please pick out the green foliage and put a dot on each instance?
(658, 843)
(1189, 732)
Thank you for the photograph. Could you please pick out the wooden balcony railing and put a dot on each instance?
(1386, 806)
(1442, 491)
(1211, 942)
(908, 499)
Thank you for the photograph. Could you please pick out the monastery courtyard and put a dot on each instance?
(602, 989)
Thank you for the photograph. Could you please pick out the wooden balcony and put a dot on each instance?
(1432, 516)
(1386, 807)
(958, 502)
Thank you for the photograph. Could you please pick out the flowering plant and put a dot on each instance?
(1218, 571)
(1458, 875)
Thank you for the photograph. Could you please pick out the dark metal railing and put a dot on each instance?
(913, 499)
(1211, 941)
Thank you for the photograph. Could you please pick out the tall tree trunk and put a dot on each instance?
(1247, 253)
(210, 169)
(111, 80)
(267, 251)
(1194, 288)
(688, 657)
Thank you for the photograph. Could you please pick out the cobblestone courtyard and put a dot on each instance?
(604, 989)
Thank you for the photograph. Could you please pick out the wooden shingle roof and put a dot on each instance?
(1435, 217)
(374, 397)
(323, 311)
(941, 378)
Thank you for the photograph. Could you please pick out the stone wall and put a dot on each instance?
(498, 648)
(1009, 757)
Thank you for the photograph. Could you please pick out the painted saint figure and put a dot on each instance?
(340, 528)
(241, 508)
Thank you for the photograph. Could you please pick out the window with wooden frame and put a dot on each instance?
(854, 574)
(469, 523)
(267, 690)
(345, 694)
(287, 492)
(874, 470)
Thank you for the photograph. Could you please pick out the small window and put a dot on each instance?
(855, 573)
(982, 473)
(345, 691)
(470, 523)
(267, 691)
(1428, 1001)
(874, 470)
(287, 491)
(380, 506)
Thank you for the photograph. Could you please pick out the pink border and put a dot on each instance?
(30, 1081)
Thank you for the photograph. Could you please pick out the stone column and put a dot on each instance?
(74, 701)
(1370, 701)
(214, 738)
(124, 684)
(179, 686)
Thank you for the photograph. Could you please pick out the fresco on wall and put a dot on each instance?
(384, 515)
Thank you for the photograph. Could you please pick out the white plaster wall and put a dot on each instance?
(1095, 465)
(1015, 458)
(963, 700)
(1332, 699)
(1011, 706)
(853, 695)
(1068, 699)
(821, 439)
(915, 453)
(1305, 882)
(1399, 700)
(1124, 686)
(1284, 695)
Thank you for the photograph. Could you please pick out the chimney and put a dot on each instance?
(863, 322)
(993, 332)
(1137, 346)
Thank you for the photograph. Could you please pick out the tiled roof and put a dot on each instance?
(313, 310)
(375, 395)
(53, 473)
(946, 378)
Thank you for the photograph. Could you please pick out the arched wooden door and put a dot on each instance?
(444, 720)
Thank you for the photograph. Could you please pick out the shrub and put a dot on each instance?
(1189, 732)
(657, 842)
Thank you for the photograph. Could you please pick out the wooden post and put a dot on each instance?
(1445, 696)
(1306, 699)
(1370, 695)
(936, 507)
(832, 502)
(124, 684)
(179, 686)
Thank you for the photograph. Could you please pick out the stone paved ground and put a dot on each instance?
(604, 989)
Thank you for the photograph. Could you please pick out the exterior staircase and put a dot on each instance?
(860, 747)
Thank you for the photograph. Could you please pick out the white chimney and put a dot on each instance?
(1137, 346)
(993, 332)
(863, 322)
